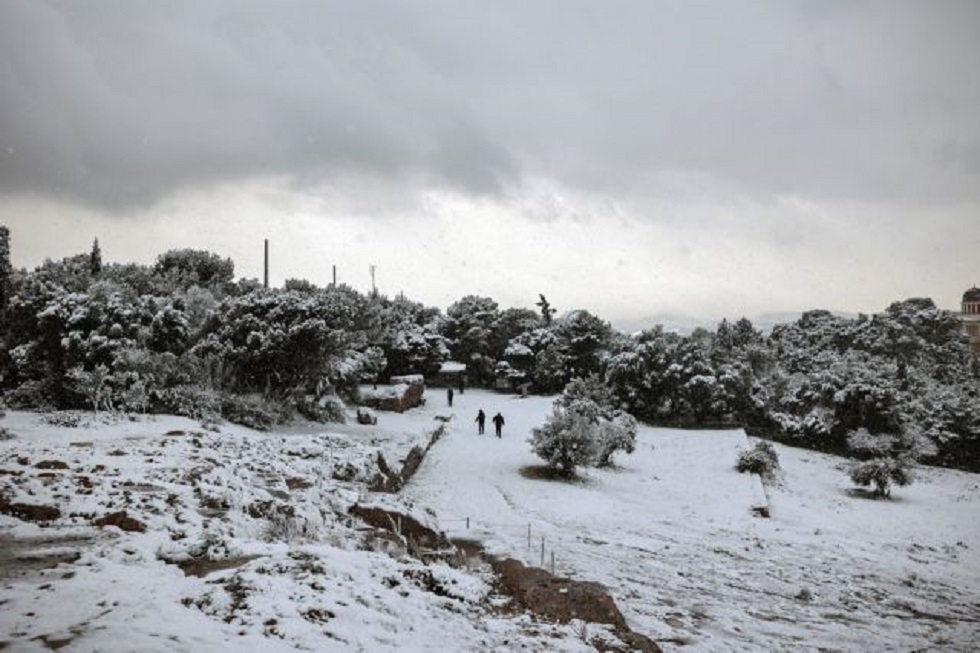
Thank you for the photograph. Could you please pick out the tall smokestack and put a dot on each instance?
(266, 278)
(335, 275)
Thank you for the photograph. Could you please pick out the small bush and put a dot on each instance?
(882, 472)
(6, 434)
(761, 459)
(618, 434)
(188, 401)
(805, 595)
(886, 459)
(254, 413)
(327, 409)
(281, 527)
(29, 395)
(65, 418)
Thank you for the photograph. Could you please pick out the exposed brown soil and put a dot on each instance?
(563, 599)
(121, 521)
(52, 464)
(54, 643)
(297, 483)
(387, 480)
(201, 567)
(30, 512)
(395, 522)
(558, 599)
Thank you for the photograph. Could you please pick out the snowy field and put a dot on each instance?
(670, 532)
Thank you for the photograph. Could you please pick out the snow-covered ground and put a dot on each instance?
(300, 573)
(670, 532)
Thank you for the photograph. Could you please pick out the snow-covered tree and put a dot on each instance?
(95, 259)
(279, 341)
(510, 324)
(407, 333)
(183, 268)
(585, 428)
(614, 435)
(547, 312)
(885, 459)
(299, 285)
(469, 328)
(568, 438)
(93, 384)
(585, 339)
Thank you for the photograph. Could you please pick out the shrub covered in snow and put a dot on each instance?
(189, 401)
(761, 459)
(567, 439)
(886, 459)
(325, 409)
(584, 428)
(882, 472)
(255, 413)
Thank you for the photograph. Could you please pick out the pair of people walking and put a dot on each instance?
(498, 422)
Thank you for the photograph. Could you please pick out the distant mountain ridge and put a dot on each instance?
(685, 324)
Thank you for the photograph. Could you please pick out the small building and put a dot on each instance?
(405, 392)
(452, 374)
(970, 318)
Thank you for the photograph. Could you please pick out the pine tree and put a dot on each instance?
(546, 311)
(95, 260)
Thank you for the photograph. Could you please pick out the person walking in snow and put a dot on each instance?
(498, 423)
(481, 419)
(449, 396)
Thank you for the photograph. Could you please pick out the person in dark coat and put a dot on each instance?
(449, 396)
(498, 423)
(481, 419)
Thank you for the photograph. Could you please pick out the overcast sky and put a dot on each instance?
(631, 158)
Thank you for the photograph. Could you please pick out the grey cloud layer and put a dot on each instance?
(118, 102)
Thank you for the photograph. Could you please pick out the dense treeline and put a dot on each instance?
(183, 336)
(906, 372)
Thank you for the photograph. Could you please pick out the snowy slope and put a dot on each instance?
(299, 573)
(672, 534)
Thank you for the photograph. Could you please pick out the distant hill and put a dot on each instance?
(685, 324)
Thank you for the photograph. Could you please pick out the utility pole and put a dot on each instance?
(265, 282)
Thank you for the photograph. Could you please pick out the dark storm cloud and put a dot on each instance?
(119, 102)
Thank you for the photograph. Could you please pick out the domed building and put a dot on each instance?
(971, 318)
